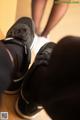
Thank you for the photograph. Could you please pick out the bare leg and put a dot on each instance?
(38, 7)
(57, 12)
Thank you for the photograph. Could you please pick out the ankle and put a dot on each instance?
(37, 31)
(44, 34)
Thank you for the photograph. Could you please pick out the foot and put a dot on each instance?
(25, 106)
(23, 31)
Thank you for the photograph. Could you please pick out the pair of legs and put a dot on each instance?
(57, 12)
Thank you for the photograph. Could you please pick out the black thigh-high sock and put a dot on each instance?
(61, 95)
(7, 65)
(59, 92)
(6, 68)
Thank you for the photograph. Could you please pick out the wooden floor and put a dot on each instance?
(7, 104)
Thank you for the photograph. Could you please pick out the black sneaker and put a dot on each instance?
(27, 107)
(21, 33)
